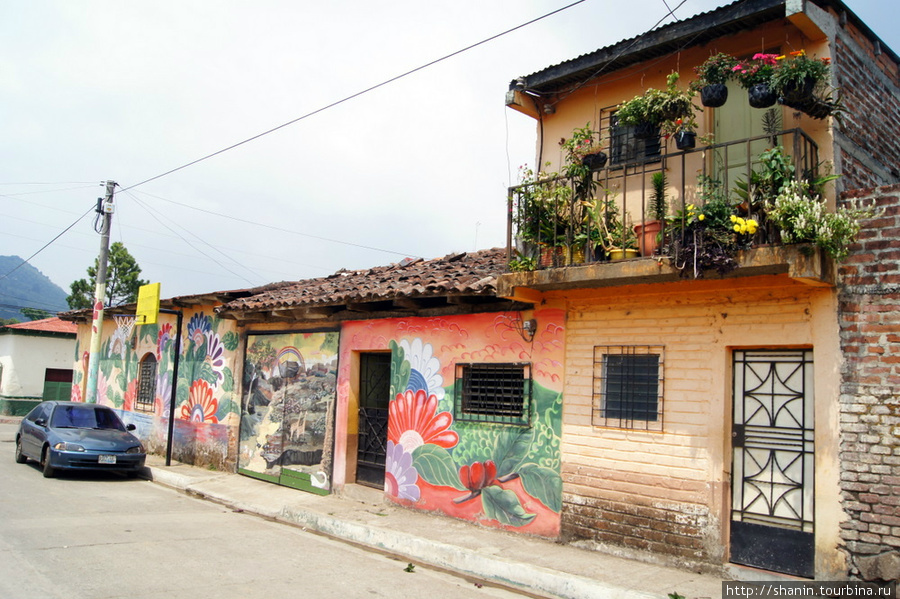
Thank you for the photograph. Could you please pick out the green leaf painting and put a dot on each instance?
(543, 484)
(503, 506)
(226, 407)
(512, 449)
(436, 466)
(230, 341)
(228, 382)
(400, 369)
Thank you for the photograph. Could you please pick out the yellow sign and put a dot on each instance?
(148, 304)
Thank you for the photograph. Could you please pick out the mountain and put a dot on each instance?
(27, 287)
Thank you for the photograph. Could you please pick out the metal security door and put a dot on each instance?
(374, 395)
(773, 461)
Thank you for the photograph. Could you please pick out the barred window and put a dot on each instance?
(627, 148)
(628, 387)
(493, 393)
(146, 385)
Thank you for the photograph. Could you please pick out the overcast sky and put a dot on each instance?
(98, 90)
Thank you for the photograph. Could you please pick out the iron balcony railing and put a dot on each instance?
(590, 215)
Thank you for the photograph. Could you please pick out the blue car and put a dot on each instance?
(65, 435)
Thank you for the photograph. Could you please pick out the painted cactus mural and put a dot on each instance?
(503, 474)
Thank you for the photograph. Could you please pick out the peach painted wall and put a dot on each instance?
(501, 475)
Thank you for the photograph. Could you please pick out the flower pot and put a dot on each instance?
(620, 254)
(594, 161)
(646, 130)
(761, 95)
(714, 95)
(798, 92)
(647, 233)
(552, 255)
(685, 140)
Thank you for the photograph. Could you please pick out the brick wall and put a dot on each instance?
(868, 135)
(869, 294)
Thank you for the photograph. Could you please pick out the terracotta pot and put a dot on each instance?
(646, 233)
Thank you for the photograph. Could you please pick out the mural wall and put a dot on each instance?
(501, 475)
(206, 413)
(287, 411)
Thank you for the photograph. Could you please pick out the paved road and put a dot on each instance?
(104, 536)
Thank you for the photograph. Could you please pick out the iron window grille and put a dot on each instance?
(499, 393)
(626, 148)
(146, 395)
(628, 387)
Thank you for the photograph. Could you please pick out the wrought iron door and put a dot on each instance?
(772, 525)
(374, 395)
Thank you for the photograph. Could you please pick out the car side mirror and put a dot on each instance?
(130, 427)
(40, 421)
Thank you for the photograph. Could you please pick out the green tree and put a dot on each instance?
(122, 282)
(35, 313)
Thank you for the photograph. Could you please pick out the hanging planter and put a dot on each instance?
(685, 140)
(714, 95)
(798, 93)
(594, 161)
(761, 95)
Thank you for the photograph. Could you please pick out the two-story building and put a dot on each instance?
(703, 383)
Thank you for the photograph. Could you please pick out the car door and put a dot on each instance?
(33, 434)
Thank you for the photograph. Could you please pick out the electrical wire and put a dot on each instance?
(46, 245)
(356, 95)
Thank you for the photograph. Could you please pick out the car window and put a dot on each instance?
(35, 413)
(85, 417)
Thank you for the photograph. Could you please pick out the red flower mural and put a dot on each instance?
(413, 421)
(478, 476)
(201, 405)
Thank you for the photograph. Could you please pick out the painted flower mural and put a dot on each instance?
(215, 355)
(424, 368)
(163, 338)
(198, 327)
(201, 405)
(400, 476)
(118, 343)
(413, 421)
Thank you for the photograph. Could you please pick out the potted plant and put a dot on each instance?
(584, 148)
(617, 237)
(755, 75)
(796, 77)
(712, 77)
(658, 110)
(649, 232)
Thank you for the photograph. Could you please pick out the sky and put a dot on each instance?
(97, 90)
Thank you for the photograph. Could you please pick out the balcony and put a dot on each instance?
(585, 227)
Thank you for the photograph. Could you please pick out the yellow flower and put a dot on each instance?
(737, 228)
(734, 218)
(701, 217)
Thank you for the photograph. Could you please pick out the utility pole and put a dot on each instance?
(104, 212)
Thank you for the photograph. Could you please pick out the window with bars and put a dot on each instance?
(498, 393)
(145, 400)
(627, 148)
(628, 387)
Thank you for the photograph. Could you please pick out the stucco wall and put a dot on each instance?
(24, 358)
(669, 492)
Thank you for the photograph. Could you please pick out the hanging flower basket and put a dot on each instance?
(713, 95)
(594, 161)
(797, 94)
(761, 95)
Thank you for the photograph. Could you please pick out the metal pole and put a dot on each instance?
(104, 208)
(171, 430)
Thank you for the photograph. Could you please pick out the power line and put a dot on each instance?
(356, 95)
(46, 245)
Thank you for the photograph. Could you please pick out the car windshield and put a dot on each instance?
(86, 417)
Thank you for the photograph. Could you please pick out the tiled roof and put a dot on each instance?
(47, 325)
(472, 274)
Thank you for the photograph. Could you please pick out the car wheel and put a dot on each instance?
(45, 462)
(20, 457)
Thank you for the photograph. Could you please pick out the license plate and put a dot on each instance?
(107, 459)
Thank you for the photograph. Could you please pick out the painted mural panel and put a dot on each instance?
(499, 474)
(205, 408)
(288, 408)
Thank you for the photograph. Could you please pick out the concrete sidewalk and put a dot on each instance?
(361, 516)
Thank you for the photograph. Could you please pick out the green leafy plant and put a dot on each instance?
(796, 68)
(658, 206)
(660, 108)
(718, 68)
